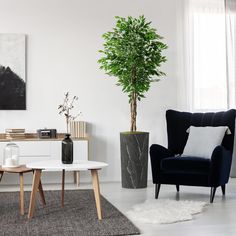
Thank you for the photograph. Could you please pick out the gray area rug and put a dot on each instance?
(78, 217)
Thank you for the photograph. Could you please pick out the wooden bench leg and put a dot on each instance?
(21, 193)
(35, 186)
(41, 193)
(96, 190)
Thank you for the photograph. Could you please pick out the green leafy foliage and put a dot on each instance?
(133, 53)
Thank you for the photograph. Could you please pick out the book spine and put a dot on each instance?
(78, 129)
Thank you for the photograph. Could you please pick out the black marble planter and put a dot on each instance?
(134, 159)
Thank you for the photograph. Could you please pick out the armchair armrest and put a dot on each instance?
(157, 153)
(220, 166)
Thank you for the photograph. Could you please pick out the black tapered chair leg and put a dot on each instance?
(223, 189)
(213, 191)
(157, 190)
(177, 188)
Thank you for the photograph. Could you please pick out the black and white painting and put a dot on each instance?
(12, 72)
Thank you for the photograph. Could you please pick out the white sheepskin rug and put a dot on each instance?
(158, 211)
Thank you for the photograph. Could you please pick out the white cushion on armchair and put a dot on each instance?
(203, 140)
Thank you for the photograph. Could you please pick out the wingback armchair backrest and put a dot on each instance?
(178, 122)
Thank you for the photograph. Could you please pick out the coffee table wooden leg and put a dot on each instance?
(21, 193)
(75, 181)
(41, 193)
(35, 186)
(77, 178)
(63, 188)
(1, 175)
(96, 190)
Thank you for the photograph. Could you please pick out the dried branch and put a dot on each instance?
(66, 107)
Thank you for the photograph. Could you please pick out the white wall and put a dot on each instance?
(63, 39)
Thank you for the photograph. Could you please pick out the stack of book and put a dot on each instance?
(15, 133)
(78, 129)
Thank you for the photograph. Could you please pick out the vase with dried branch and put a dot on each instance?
(66, 108)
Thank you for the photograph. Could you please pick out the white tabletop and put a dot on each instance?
(57, 165)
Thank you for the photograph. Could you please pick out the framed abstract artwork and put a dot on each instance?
(12, 72)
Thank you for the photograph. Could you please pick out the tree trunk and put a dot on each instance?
(133, 110)
(133, 101)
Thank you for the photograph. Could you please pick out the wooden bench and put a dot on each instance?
(21, 170)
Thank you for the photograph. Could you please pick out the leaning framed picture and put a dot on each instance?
(12, 72)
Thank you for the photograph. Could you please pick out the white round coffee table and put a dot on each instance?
(58, 166)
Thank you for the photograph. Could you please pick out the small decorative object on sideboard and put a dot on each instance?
(65, 109)
(11, 155)
(78, 129)
(47, 133)
(67, 150)
(15, 133)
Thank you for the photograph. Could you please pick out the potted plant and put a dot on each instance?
(132, 52)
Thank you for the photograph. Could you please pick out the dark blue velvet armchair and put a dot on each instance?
(193, 171)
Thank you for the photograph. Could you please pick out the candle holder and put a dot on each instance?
(11, 156)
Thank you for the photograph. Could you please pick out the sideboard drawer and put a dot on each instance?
(80, 149)
(29, 159)
(30, 148)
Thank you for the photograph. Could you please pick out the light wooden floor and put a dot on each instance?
(218, 219)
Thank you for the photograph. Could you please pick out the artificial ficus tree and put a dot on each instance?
(133, 53)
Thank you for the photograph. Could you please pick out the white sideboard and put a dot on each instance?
(32, 150)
